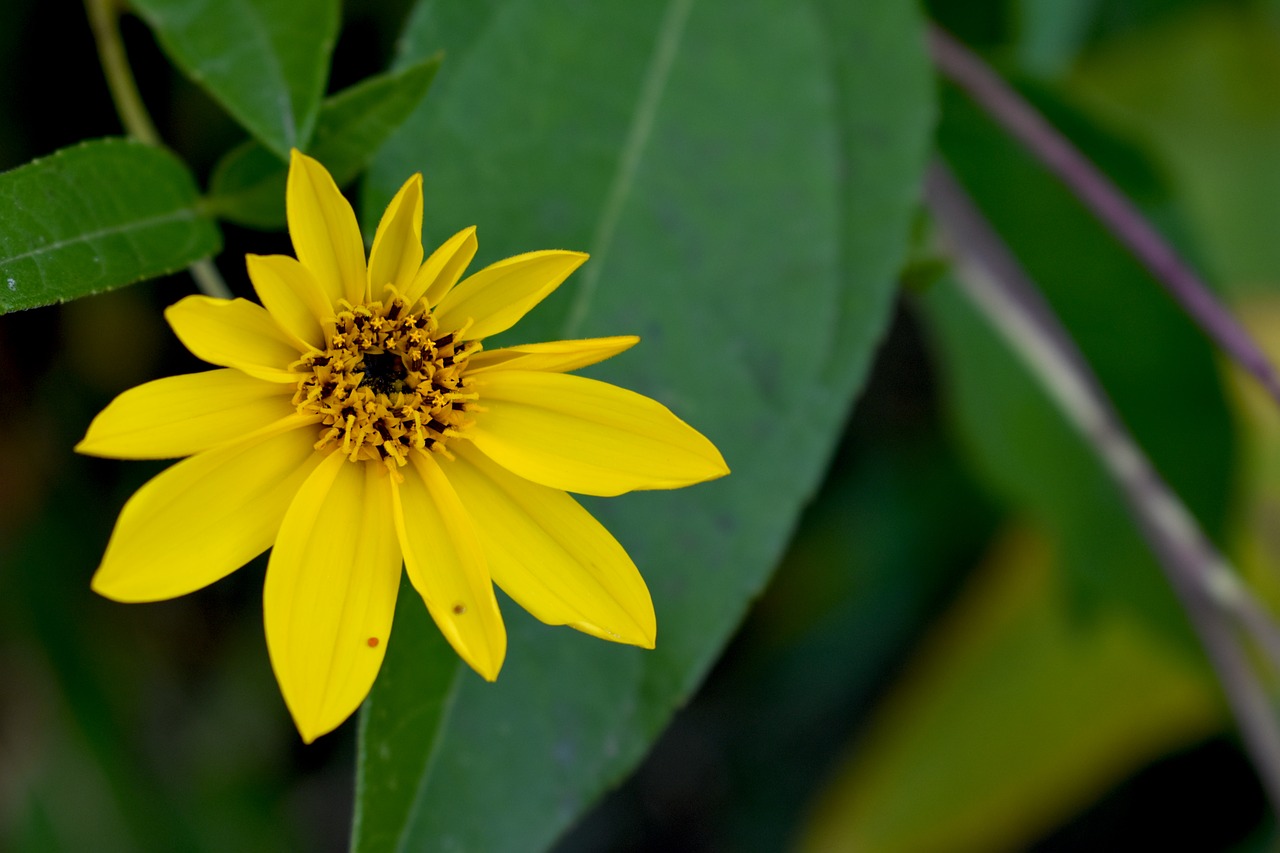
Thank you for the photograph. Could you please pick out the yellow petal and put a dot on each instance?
(331, 592)
(182, 415)
(445, 562)
(499, 295)
(206, 516)
(323, 228)
(397, 245)
(551, 555)
(577, 434)
(553, 356)
(442, 270)
(292, 296)
(234, 333)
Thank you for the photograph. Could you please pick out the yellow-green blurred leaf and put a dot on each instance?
(1014, 714)
(1253, 539)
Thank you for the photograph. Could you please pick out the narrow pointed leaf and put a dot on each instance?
(265, 61)
(247, 186)
(94, 217)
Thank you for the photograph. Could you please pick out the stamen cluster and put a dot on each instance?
(387, 382)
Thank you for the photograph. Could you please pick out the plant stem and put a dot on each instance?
(104, 19)
(1215, 600)
(209, 280)
(1003, 103)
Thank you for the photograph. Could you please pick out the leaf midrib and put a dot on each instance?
(653, 87)
(446, 713)
(179, 215)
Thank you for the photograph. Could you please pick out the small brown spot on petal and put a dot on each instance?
(373, 642)
(459, 608)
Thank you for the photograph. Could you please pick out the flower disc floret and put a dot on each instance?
(388, 382)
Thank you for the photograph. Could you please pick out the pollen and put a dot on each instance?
(387, 383)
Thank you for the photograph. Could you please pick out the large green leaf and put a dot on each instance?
(743, 175)
(265, 61)
(1150, 358)
(248, 185)
(96, 216)
(887, 539)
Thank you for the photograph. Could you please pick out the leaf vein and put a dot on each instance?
(126, 229)
(670, 33)
(402, 841)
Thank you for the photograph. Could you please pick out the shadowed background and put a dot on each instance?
(965, 646)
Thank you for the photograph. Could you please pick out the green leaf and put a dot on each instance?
(889, 536)
(1052, 33)
(384, 786)
(248, 184)
(96, 216)
(743, 175)
(1152, 361)
(1214, 121)
(1015, 714)
(265, 61)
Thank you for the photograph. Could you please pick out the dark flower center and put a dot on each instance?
(384, 373)
(388, 382)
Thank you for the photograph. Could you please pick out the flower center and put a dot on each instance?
(387, 383)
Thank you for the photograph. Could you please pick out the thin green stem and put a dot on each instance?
(104, 19)
(209, 280)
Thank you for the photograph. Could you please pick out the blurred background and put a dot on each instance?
(966, 646)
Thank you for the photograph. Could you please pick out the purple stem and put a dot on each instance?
(1108, 203)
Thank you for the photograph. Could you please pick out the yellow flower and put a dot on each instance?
(357, 423)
